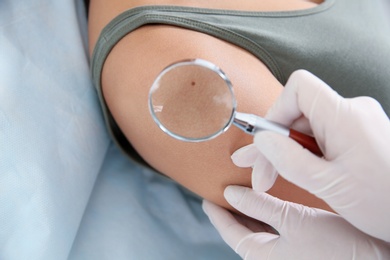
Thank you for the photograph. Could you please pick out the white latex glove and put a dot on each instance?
(305, 233)
(354, 135)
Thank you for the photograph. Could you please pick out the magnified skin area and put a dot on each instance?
(192, 101)
(130, 70)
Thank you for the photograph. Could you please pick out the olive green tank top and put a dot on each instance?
(345, 43)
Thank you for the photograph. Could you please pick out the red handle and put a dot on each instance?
(306, 141)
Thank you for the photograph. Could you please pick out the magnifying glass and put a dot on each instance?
(193, 101)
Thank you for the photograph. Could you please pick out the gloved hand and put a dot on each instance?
(305, 233)
(354, 135)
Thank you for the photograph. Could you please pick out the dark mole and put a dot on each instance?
(193, 83)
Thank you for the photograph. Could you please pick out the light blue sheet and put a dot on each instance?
(65, 191)
(136, 214)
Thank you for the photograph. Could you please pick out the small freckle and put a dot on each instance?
(193, 83)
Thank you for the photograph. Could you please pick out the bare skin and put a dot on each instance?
(205, 168)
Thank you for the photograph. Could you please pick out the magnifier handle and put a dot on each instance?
(306, 141)
(251, 124)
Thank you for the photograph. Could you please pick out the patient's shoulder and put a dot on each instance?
(129, 71)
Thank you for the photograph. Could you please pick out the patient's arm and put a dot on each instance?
(205, 168)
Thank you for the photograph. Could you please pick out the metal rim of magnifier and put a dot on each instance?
(205, 64)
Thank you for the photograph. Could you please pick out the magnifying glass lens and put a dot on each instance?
(191, 101)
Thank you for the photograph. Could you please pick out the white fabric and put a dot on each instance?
(53, 144)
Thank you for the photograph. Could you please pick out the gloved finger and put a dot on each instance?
(278, 150)
(285, 109)
(245, 156)
(302, 125)
(264, 207)
(238, 234)
(301, 96)
(263, 174)
(256, 246)
(231, 231)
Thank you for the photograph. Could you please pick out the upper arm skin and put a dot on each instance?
(206, 167)
(130, 70)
